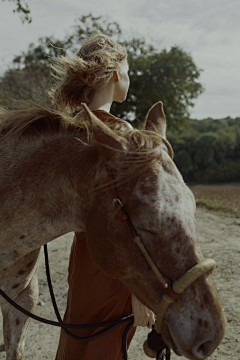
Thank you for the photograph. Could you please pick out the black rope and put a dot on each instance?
(124, 339)
(112, 324)
(97, 335)
(63, 325)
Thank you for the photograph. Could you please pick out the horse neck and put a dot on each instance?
(77, 169)
(56, 174)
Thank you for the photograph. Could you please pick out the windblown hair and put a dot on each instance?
(78, 76)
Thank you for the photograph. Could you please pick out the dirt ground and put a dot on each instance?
(219, 235)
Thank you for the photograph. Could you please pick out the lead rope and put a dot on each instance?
(109, 324)
(112, 324)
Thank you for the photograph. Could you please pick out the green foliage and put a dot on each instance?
(23, 10)
(30, 82)
(209, 151)
(30, 75)
(170, 76)
(184, 161)
(167, 75)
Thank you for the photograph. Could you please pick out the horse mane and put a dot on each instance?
(144, 145)
(34, 121)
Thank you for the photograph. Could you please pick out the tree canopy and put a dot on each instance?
(23, 10)
(167, 75)
(209, 150)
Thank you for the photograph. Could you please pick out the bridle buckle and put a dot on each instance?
(117, 201)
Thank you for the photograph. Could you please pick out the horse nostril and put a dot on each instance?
(203, 350)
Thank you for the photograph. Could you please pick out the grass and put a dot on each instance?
(224, 197)
(213, 205)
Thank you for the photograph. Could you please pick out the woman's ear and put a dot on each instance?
(115, 76)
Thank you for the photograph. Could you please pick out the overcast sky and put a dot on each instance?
(207, 29)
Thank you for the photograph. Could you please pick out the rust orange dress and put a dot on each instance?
(93, 297)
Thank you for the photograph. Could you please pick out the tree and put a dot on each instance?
(30, 74)
(170, 76)
(209, 150)
(23, 10)
(87, 24)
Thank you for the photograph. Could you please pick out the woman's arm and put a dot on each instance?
(143, 316)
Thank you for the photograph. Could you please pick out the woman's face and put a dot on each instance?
(122, 85)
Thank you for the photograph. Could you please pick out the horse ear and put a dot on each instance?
(156, 120)
(108, 141)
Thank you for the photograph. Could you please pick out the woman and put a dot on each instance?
(97, 75)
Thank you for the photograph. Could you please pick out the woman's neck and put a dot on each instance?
(103, 98)
(94, 107)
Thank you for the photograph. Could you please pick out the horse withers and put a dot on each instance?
(46, 162)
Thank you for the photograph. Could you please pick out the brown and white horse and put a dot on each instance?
(53, 180)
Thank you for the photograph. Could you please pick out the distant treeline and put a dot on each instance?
(208, 151)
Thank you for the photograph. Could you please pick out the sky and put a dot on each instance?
(209, 30)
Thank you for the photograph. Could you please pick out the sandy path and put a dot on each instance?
(220, 239)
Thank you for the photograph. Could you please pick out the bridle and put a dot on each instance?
(172, 290)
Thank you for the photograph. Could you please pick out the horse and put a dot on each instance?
(54, 179)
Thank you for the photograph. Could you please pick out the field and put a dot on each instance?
(224, 198)
(219, 235)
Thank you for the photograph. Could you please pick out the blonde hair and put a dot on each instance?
(78, 76)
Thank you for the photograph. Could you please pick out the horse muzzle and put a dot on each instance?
(172, 293)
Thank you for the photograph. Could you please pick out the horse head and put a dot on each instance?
(162, 211)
